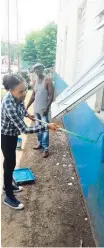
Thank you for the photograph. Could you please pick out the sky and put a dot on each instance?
(32, 15)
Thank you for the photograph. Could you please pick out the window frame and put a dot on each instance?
(85, 87)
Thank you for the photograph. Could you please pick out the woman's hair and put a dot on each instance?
(12, 81)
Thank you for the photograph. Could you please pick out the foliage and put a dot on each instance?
(28, 53)
(35, 36)
(4, 48)
(45, 45)
(25, 75)
(40, 46)
(13, 50)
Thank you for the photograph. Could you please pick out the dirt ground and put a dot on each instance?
(54, 213)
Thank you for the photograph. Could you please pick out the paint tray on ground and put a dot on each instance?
(23, 176)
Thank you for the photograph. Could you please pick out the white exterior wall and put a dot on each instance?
(66, 46)
(93, 40)
(71, 64)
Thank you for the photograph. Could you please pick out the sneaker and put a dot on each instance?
(12, 202)
(16, 188)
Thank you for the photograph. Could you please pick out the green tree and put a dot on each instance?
(4, 48)
(13, 50)
(46, 48)
(28, 53)
(35, 36)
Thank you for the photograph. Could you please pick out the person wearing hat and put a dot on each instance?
(42, 96)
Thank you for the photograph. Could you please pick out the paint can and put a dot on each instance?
(19, 144)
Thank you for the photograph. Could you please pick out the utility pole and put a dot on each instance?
(17, 36)
(8, 39)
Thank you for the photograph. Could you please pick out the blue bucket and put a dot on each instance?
(19, 144)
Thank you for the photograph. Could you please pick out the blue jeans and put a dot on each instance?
(43, 137)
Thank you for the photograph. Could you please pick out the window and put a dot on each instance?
(100, 25)
(86, 86)
(102, 107)
(65, 48)
(80, 41)
(100, 19)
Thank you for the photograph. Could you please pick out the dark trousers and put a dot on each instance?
(8, 146)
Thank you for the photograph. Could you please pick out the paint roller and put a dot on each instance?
(74, 134)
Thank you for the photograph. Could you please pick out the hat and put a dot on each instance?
(37, 65)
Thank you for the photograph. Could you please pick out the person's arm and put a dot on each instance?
(26, 114)
(20, 124)
(50, 88)
(31, 100)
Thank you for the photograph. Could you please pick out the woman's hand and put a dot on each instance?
(53, 126)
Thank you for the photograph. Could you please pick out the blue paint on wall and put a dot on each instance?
(96, 203)
(89, 157)
(60, 84)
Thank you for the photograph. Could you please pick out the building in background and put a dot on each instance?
(80, 43)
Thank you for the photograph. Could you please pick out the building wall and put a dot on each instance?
(89, 158)
(65, 58)
(74, 57)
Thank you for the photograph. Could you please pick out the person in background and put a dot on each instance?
(42, 96)
(12, 124)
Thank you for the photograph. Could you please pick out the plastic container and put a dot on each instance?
(19, 144)
(23, 176)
